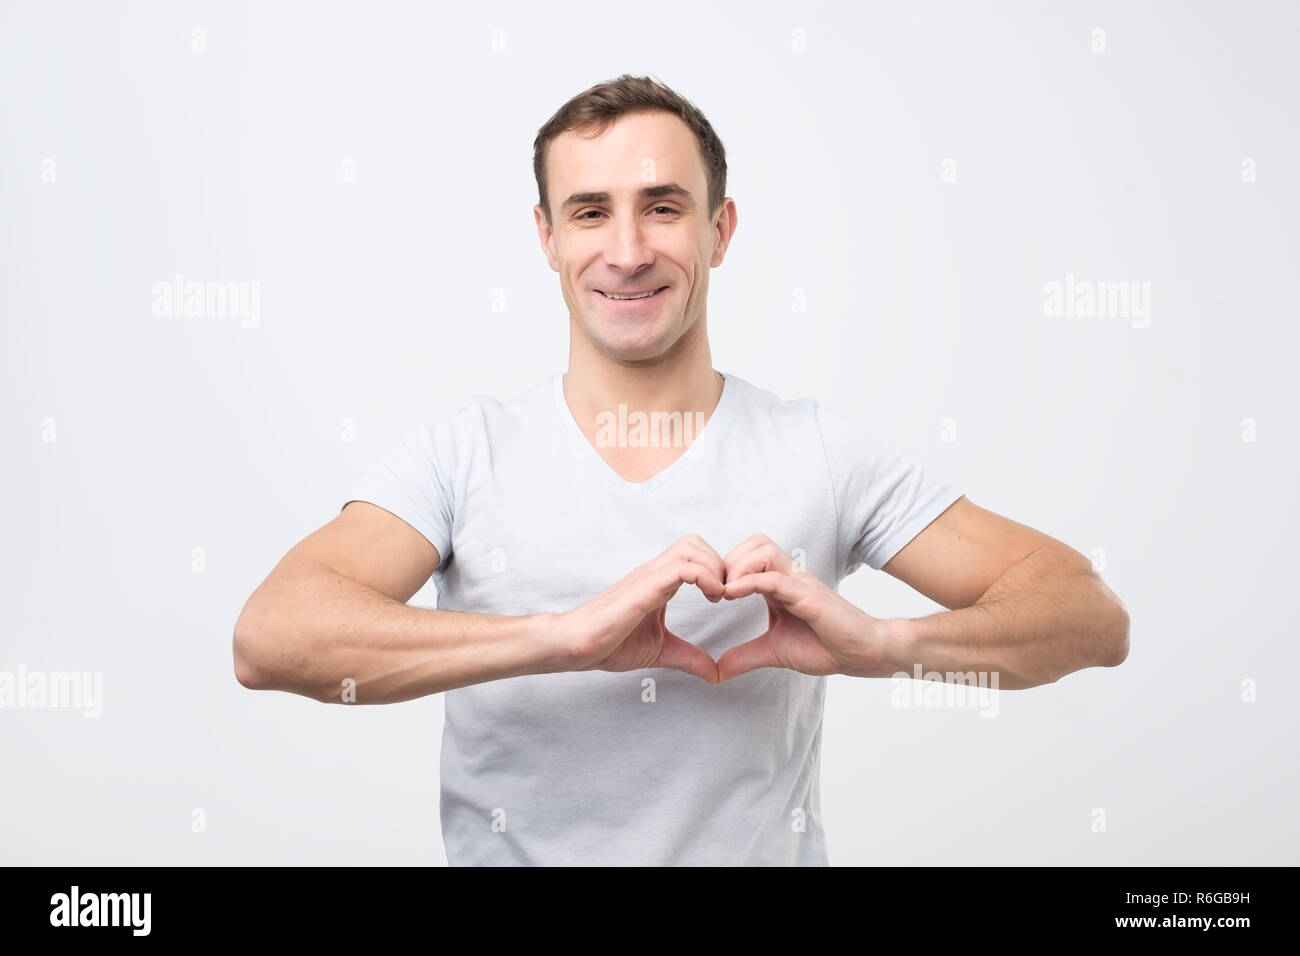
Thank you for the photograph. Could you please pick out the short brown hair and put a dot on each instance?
(597, 107)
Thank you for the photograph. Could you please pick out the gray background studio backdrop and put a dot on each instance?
(928, 197)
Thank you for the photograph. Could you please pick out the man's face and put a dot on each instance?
(630, 216)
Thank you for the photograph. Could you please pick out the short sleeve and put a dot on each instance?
(411, 480)
(884, 496)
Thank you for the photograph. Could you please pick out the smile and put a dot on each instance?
(631, 296)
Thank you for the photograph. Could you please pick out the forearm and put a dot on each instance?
(1047, 616)
(310, 630)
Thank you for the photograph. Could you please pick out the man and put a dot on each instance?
(588, 719)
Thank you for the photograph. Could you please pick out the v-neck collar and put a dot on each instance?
(707, 437)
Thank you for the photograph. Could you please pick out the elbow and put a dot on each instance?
(1110, 639)
(266, 658)
(1117, 645)
(247, 673)
(249, 668)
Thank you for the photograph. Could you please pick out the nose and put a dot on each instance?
(627, 249)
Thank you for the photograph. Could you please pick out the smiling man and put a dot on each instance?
(598, 711)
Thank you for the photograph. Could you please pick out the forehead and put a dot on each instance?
(635, 150)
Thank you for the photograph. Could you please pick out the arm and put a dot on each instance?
(335, 608)
(1021, 603)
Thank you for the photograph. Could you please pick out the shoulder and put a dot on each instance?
(766, 406)
(836, 430)
(481, 416)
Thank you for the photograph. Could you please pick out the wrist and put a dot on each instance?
(558, 653)
(900, 646)
(885, 647)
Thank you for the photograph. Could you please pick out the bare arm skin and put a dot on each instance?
(1020, 602)
(334, 609)
(1022, 606)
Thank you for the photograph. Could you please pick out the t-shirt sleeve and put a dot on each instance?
(412, 480)
(884, 495)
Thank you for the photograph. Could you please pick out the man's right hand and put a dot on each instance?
(622, 628)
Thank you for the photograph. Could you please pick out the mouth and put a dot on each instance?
(630, 299)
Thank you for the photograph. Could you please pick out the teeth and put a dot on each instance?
(643, 295)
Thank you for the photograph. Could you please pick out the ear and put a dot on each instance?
(546, 237)
(724, 228)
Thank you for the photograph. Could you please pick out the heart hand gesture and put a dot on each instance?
(622, 628)
(811, 628)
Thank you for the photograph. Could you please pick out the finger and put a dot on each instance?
(765, 557)
(746, 657)
(690, 544)
(716, 572)
(690, 548)
(685, 656)
(694, 548)
(698, 543)
(749, 544)
(703, 577)
(783, 587)
(666, 580)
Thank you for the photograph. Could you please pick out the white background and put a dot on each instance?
(924, 304)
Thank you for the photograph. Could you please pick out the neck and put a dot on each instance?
(682, 381)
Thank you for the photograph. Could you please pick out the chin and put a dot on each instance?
(631, 345)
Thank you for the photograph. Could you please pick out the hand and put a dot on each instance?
(810, 628)
(622, 628)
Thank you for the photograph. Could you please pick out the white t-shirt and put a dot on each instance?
(655, 766)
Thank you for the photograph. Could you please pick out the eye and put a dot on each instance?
(587, 214)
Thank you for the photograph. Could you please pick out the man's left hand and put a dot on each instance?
(811, 629)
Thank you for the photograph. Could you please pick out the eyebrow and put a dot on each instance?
(648, 192)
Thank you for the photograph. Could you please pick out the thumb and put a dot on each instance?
(685, 656)
(747, 657)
